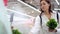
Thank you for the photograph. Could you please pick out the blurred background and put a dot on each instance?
(22, 13)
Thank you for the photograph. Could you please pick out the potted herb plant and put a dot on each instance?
(52, 24)
(15, 31)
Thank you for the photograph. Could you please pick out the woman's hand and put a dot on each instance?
(52, 30)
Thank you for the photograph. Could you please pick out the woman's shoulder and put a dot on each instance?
(55, 12)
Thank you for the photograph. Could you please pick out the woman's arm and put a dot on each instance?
(59, 18)
(58, 27)
(59, 21)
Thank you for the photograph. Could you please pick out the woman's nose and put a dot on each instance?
(42, 6)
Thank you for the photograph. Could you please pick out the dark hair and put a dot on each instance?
(48, 1)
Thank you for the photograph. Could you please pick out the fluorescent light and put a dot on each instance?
(28, 5)
(56, 9)
(20, 13)
(57, 2)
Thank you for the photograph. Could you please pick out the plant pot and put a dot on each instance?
(52, 30)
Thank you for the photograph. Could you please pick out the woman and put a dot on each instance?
(41, 20)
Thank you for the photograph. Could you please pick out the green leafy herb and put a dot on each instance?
(15, 32)
(52, 24)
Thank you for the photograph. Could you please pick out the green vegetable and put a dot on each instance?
(15, 32)
(52, 24)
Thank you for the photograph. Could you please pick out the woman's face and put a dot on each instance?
(44, 5)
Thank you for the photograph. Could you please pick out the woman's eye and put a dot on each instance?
(44, 4)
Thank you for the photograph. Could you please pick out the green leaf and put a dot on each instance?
(52, 24)
(15, 32)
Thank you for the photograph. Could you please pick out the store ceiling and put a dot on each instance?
(18, 7)
(36, 2)
(15, 5)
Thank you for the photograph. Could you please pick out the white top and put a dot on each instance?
(37, 28)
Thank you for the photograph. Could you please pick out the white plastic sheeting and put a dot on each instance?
(5, 27)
